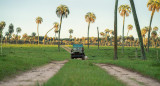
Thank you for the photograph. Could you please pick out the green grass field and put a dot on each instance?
(19, 58)
(149, 67)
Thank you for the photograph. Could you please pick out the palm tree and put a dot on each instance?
(2, 25)
(111, 38)
(7, 34)
(25, 37)
(62, 11)
(154, 36)
(143, 32)
(155, 28)
(102, 34)
(70, 31)
(115, 30)
(124, 10)
(130, 27)
(18, 30)
(39, 20)
(33, 35)
(56, 26)
(153, 5)
(10, 30)
(138, 29)
(90, 18)
(107, 34)
(98, 36)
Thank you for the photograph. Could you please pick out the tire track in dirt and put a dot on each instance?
(128, 77)
(38, 75)
(68, 49)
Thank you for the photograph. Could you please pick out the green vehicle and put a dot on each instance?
(78, 51)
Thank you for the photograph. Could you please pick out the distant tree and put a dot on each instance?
(48, 32)
(10, 30)
(25, 37)
(90, 18)
(154, 34)
(70, 31)
(106, 35)
(7, 35)
(153, 5)
(111, 37)
(56, 26)
(155, 28)
(39, 20)
(102, 34)
(143, 32)
(154, 37)
(18, 30)
(130, 27)
(98, 36)
(2, 25)
(124, 10)
(33, 36)
(62, 11)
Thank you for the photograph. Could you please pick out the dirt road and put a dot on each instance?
(35, 76)
(68, 49)
(128, 77)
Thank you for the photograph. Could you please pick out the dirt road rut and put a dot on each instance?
(128, 77)
(35, 76)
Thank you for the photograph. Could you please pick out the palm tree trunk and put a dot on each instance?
(138, 29)
(123, 34)
(127, 32)
(1, 42)
(88, 34)
(98, 36)
(16, 37)
(46, 34)
(115, 30)
(38, 32)
(70, 38)
(149, 30)
(55, 35)
(59, 34)
(9, 40)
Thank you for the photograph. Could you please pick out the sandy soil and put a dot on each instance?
(38, 75)
(128, 77)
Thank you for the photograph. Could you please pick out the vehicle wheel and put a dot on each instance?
(83, 58)
(72, 57)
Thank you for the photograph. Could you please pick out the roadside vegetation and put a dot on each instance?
(20, 58)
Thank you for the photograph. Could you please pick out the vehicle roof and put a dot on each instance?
(77, 45)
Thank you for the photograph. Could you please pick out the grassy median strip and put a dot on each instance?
(82, 73)
(19, 58)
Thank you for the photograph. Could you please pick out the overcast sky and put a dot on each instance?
(22, 13)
